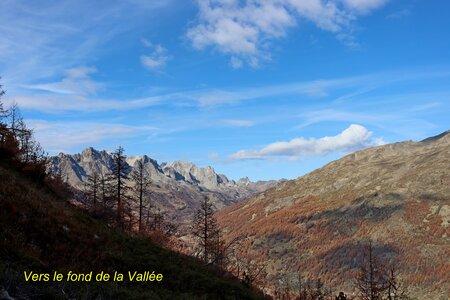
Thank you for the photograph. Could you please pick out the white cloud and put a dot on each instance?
(157, 59)
(353, 138)
(238, 122)
(244, 29)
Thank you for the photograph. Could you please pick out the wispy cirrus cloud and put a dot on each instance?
(76, 92)
(238, 122)
(41, 40)
(364, 6)
(353, 138)
(244, 29)
(403, 13)
(382, 117)
(354, 86)
(64, 136)
(77, 82)
(55, 103)
(402, 113)
(158, 57)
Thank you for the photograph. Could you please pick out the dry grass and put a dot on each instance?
(396, 195)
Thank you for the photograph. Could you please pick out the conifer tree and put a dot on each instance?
(141, 181)
(106, 188)
(17, 142)
(93, 188)
(206, 230)
(119, 172)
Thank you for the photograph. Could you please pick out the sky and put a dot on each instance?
(265, 89)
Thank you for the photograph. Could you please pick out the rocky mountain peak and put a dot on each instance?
(186, 171)
(90, 154)
(176, 187)
(244, 181)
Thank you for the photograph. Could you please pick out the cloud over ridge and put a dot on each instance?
(355, 137)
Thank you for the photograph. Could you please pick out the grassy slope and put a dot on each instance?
(397, 195)
(42, 233)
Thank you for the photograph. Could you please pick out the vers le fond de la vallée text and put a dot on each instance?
(132, 276)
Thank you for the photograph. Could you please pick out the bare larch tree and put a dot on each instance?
(140, 179)
(206, 230)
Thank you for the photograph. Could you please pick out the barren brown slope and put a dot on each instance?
(398, 195)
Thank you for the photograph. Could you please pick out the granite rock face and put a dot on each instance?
(176, 187)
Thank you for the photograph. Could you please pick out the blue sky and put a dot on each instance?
(265, 89)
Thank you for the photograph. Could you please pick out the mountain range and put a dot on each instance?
(176, 188)
(396, 196)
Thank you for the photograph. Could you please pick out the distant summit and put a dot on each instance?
(176, 187)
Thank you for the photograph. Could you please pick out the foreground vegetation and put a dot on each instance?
(42, 232)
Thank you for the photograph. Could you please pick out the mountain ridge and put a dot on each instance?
(397, 195)
(176, 187)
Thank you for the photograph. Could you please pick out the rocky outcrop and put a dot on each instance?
(176, 187)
